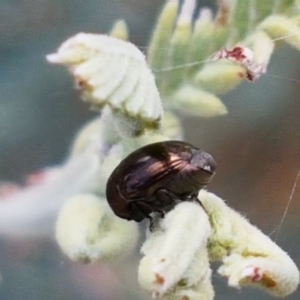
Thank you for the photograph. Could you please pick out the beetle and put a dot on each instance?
(157, 176)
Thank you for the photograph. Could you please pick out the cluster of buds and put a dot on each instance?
(114, 77)
(208, 56)
(176, 255)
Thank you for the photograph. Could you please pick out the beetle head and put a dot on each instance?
(204, 164)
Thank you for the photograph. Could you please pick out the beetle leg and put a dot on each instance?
(152, 223)
(137, 214)
(143, 209)
(166, 197)
(194, 198)
(161, 213)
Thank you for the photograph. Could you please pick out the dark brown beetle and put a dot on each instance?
(155, 177)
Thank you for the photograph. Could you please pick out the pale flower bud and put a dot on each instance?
(120, 30)
(171, 250)
(87, 230)
(202, 41)
(220, 76)
(112, 72)
(197, 102)
(162, 34)
(262, 46)
(280, 27)
(249, 257)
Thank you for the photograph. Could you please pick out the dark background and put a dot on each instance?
(256, 145)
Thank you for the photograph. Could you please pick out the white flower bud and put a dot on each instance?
(196, 282)
(197, 102)
(120, 30)
(220, 76)
(262, 46)
(187, 11)
(31, 210)
(249, 257)
(87, 230)
(280, 27)
(202, 42)
(171, 249)
(276, 275)
(112, 72)
(162, 33)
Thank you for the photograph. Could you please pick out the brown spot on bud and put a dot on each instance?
(268, 281)
(159, 279)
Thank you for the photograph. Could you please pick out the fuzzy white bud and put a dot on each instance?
(111, 72)
(172, 247)
(87, 230)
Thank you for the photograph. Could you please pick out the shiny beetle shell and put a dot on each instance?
(155, 177)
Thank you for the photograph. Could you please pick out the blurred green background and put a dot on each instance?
(257, 145)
